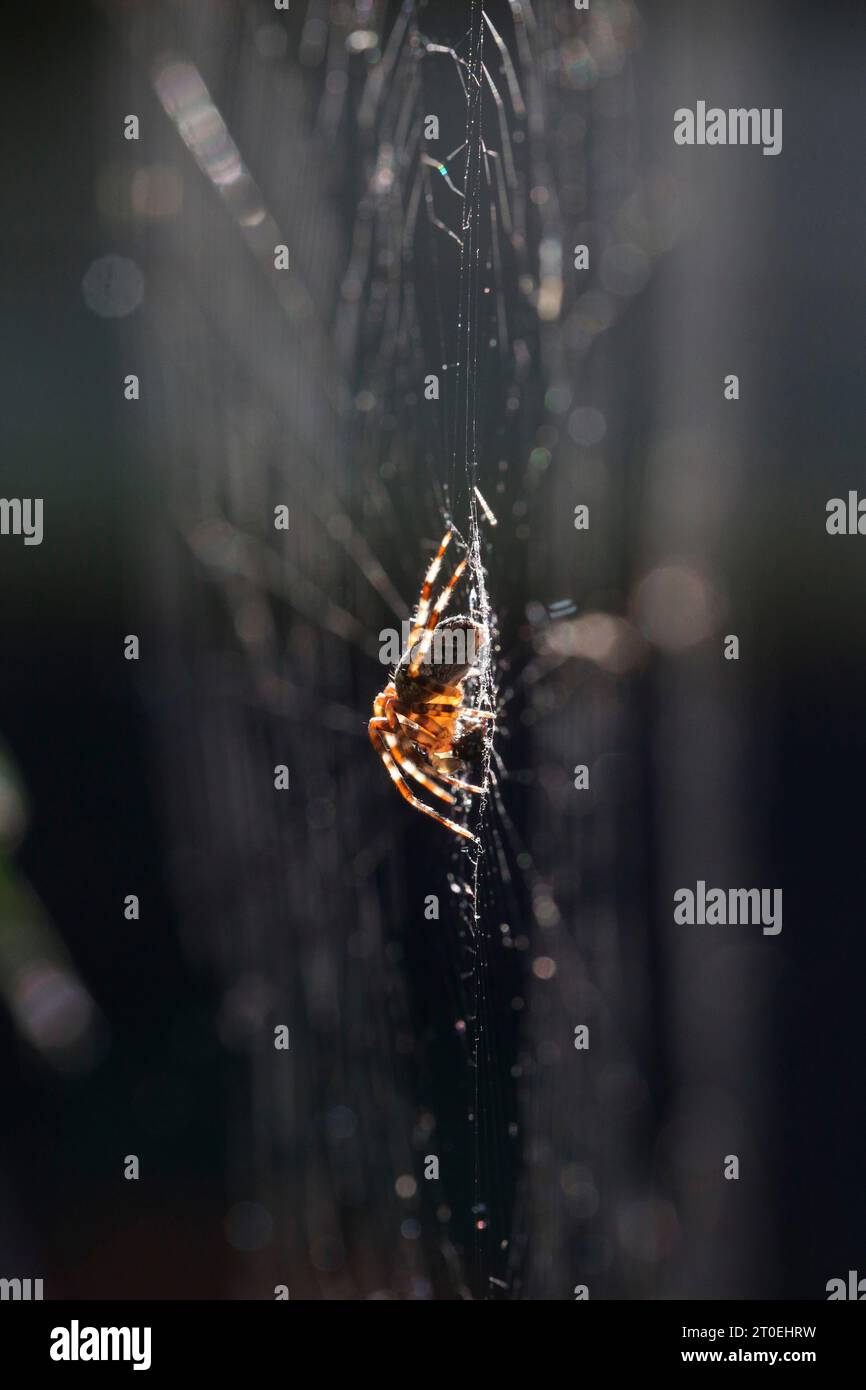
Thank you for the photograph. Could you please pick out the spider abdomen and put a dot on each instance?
(453, 648)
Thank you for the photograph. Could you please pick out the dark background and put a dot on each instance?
(153, 1037)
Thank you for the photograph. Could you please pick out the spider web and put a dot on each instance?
(452, 210)
(488, 216)
(309, 388)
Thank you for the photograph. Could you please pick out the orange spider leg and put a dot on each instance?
(384, 727)
(428, 739)
(432, 705)
(439, 698)
(455, 782)
(424, 599)
(474, 718)
(408, 764)
(382, 701)
(383, 708)
(434, 732)
(438, 607)
(399, 782)
(429, 732)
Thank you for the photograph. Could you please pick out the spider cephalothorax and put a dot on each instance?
(421, 727)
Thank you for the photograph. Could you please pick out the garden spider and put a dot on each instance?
(420, 718)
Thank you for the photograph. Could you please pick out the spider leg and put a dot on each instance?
(442, 697)
(382, 730)
(431, 730)
(435, 614)
(384, 696)
(400, 783)
(424, 728)
(428, 730)
(408, 764)
(455, 782)
(431, 706)
(424, 599)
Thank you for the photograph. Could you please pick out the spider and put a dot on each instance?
(420, 727)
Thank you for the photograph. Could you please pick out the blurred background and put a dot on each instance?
(412, 1036)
